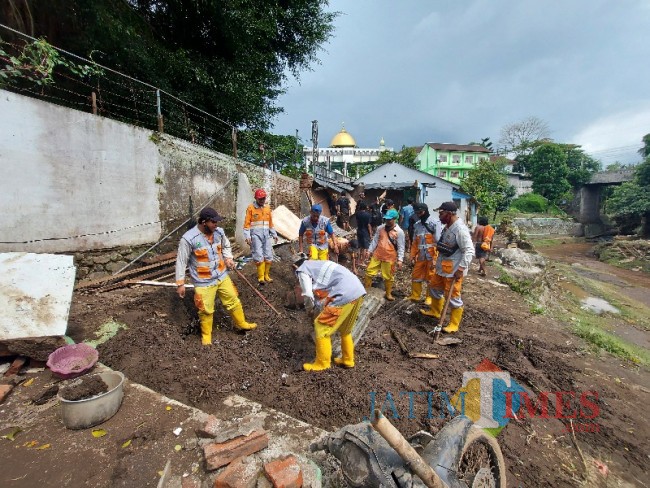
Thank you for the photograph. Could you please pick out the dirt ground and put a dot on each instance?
(161, 349)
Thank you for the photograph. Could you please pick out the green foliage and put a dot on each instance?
(407, 157)
(276, 152)
(530, 203)
(612, 344)
(488, 183)
(645, 150)
(523, 287)
(629, 203)
(36, 62)
(549, 171)
(229, 57)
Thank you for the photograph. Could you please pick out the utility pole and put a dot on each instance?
(314, 142)
(295, 150)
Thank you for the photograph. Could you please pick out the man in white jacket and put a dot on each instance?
(335, 294)
(455, 253)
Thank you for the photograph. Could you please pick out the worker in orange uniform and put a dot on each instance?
(455, 253)
(313, 233)
(386, 248)
(334, 296)
(208, 251)
(426, 232)
(258, 231)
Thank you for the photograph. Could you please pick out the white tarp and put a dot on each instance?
(35, 294)
(286, 223)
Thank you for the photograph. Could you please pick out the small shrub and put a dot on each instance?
(530, 203)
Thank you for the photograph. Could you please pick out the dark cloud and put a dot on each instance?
(449, 71)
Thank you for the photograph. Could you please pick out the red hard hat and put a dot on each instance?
(260, 194)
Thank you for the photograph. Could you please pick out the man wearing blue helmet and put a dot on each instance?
(314, 231)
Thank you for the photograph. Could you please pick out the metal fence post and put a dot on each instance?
(160, 117)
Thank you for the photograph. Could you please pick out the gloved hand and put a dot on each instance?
(309, 304)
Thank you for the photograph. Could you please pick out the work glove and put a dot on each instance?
(309, 305)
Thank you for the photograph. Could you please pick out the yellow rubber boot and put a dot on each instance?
(267, 272)
(427, 300)
(389, 288)
(347, 352)
(206, 328)
(367, 282)
(454, 321)
(261, 269)
(323, 355)
(435, 308)
(416, 291)
(238, 317)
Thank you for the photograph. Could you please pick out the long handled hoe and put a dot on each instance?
(445, 341)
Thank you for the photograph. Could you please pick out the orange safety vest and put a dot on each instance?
(385, 250)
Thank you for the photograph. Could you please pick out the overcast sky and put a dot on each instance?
(456, 71)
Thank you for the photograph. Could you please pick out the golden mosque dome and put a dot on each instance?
(343, 139)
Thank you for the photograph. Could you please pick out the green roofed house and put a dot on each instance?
(451, 162)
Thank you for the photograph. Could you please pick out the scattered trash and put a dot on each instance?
(177, 431)
(28, 382)
(601, 467)
(168, 408)
(12, 434)
(178, 447)
(99, 432)
(44, 446)
(126, 444)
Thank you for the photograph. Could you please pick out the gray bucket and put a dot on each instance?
(81, 414)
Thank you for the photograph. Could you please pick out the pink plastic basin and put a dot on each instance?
(72, 360)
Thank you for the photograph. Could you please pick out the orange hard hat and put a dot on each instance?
(260, 194)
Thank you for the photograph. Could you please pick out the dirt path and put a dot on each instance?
(161, 350)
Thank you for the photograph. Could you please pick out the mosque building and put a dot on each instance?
(343, 154)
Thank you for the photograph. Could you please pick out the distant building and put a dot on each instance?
(343, 154)
(398, 183)
(451, 162)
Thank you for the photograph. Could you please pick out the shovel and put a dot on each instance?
(445, 341)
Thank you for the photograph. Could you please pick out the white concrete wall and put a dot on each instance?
(66, 173)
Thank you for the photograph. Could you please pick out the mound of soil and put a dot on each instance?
(87, 387)
(162, 349)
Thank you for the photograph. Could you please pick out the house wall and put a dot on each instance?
(73, 181)
(432, 161)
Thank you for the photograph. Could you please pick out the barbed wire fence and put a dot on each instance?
(110, 93)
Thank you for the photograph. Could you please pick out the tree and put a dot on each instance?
(549, 171)
(520, 137)
(276, 152)
(629, 204)
(488, 183)
(407, 157)
(231, 58)
(581, 165)
(645, 150)
(485, 142)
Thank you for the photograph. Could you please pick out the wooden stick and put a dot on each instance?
(410, 456)
(256, 291)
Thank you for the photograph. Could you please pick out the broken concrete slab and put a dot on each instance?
(286, 223)
(35, 294)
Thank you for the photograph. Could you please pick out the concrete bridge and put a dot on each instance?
(590, 198)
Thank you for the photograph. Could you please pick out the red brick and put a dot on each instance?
(4, 391)
(220, 454)
(15, 367)
(241, 473)
(284, 473)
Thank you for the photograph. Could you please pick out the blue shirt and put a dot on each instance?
(406, 213)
